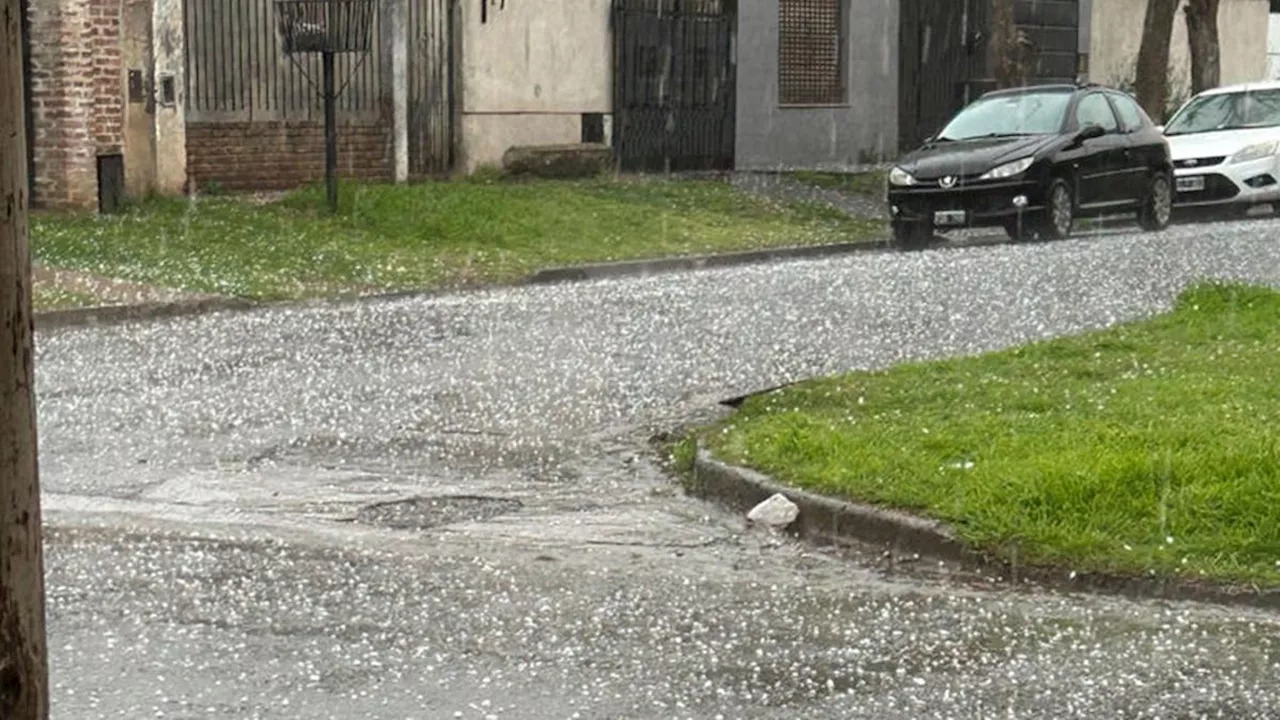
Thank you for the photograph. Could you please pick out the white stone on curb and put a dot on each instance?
(777, 512)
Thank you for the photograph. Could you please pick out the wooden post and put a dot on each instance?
(24, 680)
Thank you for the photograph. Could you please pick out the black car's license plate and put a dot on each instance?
(949, 218)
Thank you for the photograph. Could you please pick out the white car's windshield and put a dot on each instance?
(1227, 111)
(1028, 113)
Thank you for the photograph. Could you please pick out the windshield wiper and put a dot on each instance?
(989, 136)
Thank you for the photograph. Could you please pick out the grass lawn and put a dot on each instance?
(863, 183)
(1151, 446)
(44, 298)
(389, 237)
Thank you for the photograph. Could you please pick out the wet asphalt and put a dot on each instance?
(220, 543)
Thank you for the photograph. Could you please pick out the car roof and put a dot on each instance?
(1243, 87)
(1056, 87)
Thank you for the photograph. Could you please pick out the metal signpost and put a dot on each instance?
(327, 27)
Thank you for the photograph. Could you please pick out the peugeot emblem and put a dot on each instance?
(1191, 163)
(948, 181)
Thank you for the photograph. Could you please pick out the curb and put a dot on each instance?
(826, 520)
(625, 268)
(823, 519)
(115, 314)
(622, 268)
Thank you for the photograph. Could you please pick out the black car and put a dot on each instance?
(1030, 160)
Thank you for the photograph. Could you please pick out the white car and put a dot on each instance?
(1225, 146)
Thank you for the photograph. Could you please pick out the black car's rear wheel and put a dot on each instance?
(1157, 206)
(912, 235)
(1059, 212)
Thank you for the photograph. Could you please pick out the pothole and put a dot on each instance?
(422, 513)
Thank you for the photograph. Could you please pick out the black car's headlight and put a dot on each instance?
(901, 178)
(1009, 169)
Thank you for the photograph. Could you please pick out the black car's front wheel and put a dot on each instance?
(1157, 206)
(1022, 228)
(1059, 212)
(912, 235)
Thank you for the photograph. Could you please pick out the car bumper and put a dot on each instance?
(1247, 183)
(984, 205)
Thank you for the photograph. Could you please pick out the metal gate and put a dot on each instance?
(431, 93)
(939, 54)
(674, 84)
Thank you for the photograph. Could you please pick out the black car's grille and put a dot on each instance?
(979, 199)
(1199, 162)
(1216, 187)
(956, 182)
(981, 204)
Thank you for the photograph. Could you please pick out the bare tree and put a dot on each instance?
(1151, 81)
(24, 682)
(1202, 36)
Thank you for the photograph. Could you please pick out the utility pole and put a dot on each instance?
(24, 669)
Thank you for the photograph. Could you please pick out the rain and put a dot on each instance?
(464, 503)
(211, 479)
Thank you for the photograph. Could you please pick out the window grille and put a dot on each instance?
(811, 53)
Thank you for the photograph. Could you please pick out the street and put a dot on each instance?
(219, 544)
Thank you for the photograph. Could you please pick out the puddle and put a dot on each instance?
(422, 513)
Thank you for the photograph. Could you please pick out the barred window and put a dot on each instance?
(811, 52)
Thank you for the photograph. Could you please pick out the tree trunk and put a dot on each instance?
(1151, 81)
(24, 682)
(1202, 36)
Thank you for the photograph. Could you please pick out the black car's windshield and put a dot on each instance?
(1027, 113)
(1227, 111)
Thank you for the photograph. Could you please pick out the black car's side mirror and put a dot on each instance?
(1089, 132)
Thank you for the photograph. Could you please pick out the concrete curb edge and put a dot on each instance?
(112, 314)
(826, 520)
(623, 268)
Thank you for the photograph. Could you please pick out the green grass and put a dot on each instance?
(54, 298)
(1149, 447)
(863, 183)
(389, 237)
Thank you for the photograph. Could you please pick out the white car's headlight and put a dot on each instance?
(900, 177)
(1009, 169)
(1255, 152)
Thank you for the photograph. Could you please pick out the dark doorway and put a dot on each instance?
(940, 52)
(944, 55)
(674, 84)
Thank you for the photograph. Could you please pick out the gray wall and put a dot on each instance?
(770, 137)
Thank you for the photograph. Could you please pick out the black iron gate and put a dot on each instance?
(431, 93)
(674, 84)
(940, 52)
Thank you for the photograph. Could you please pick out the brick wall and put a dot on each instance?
(77, 96)
(245, 157)
(107, 74)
